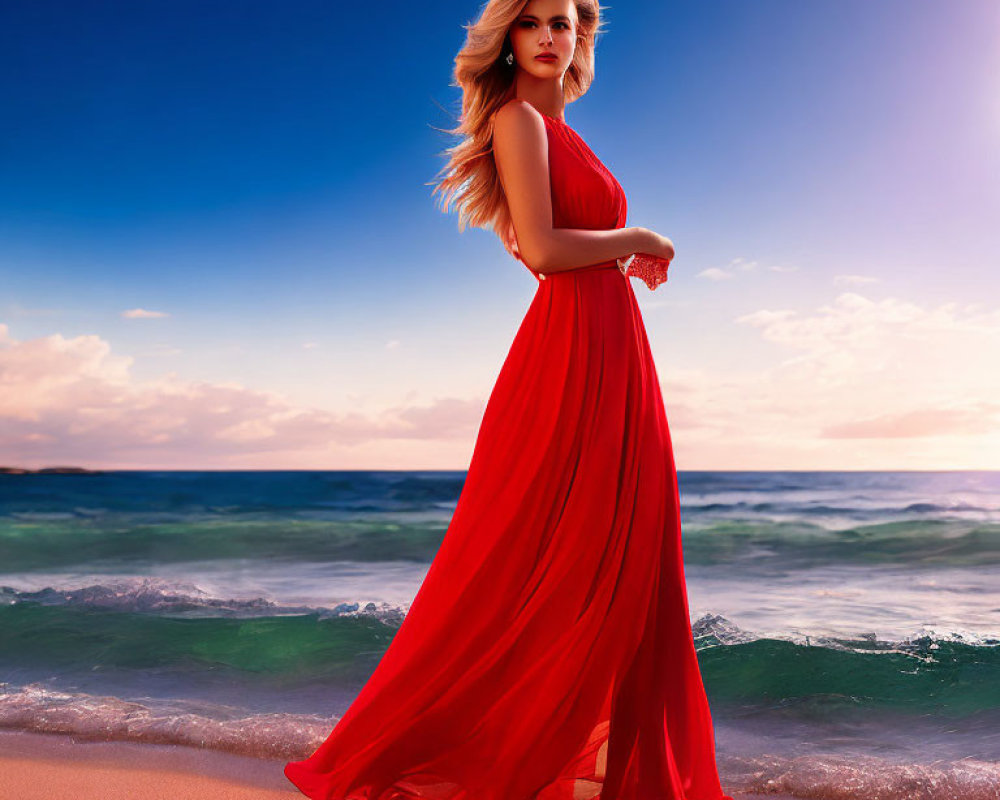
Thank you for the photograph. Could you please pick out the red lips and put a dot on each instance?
(546, 56)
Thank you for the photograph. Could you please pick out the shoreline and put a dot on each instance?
(41, 766)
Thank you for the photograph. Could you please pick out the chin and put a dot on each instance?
(545, 67)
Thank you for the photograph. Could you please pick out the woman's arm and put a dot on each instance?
(520, 149)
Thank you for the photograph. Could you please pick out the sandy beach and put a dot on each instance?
(57, 767)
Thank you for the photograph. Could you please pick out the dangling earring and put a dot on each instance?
(510, 58)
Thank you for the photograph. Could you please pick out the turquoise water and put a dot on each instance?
(841, 617)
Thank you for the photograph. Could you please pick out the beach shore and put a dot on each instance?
(58, 767)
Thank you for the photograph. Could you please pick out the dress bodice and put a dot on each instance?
(584, 192)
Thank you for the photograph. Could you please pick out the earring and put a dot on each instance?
(510, 58)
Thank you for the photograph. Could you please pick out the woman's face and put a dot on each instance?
(545, 26)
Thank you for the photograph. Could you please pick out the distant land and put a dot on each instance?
(50, 471)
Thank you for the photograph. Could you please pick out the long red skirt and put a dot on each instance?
(548, 654)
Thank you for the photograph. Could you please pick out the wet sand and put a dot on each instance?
(53, 767)
(57, 767)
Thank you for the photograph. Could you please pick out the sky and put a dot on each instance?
(219, 247)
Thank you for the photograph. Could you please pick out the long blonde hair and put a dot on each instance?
(471, 182)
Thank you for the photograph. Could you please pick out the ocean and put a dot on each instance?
(847, 623)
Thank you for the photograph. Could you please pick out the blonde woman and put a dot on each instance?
(548, 654)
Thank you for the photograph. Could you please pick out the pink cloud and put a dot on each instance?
(922, 422)
(71, 400)
(142, 313)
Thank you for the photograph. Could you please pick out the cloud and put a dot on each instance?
(916, 381)
(854, 383)
(856, 323)
(738, 264)
(854, 279)
(714, 273)
(886, 354)
(73, 400)
(142, 313)
(979, 419)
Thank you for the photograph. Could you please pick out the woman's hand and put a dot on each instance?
(651, 260)
(656, 245)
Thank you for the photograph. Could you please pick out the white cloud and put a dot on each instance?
(714, 273)
(738, 264)
(142, 313)
(917, 382)
(853, 279)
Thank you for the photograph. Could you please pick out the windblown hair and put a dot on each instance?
(471, 182)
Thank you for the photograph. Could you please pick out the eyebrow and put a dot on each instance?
(551, 19)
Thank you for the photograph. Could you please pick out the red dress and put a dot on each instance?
(548, 654)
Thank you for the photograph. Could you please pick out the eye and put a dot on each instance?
(527, 23)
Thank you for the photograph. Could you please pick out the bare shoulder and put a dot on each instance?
(520, 148)
(518, 118)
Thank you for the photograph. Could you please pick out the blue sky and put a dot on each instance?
(258, 177)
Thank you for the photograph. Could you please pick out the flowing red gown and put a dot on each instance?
(548, 654)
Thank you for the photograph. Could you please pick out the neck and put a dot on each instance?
(545, 95)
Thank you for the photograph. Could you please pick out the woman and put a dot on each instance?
(548, 653)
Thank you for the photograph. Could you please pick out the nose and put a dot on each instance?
(547, 39)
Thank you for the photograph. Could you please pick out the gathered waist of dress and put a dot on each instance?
(609, 264)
